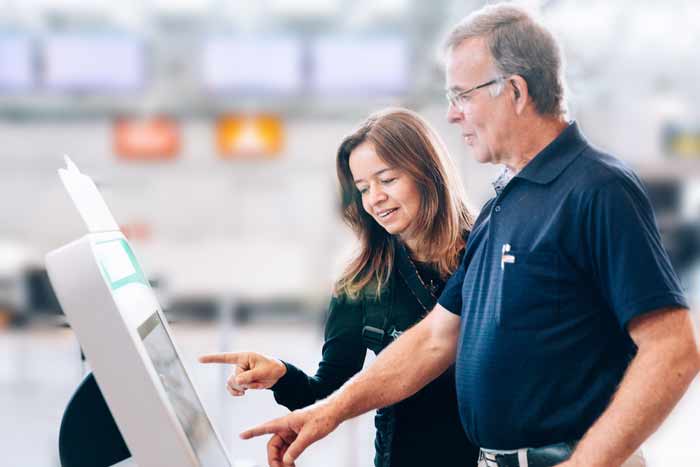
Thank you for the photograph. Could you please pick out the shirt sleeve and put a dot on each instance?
(343, 356)
(451, 296)
(630, 266)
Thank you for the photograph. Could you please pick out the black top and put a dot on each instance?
(419, 431)
(559, 262)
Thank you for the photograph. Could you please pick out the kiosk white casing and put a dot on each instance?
(126, 339)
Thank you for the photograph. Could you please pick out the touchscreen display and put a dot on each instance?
(184, 400)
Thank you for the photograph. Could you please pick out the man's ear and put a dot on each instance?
(519, 92)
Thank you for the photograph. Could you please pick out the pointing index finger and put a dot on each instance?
(271, 427)
(229, 358)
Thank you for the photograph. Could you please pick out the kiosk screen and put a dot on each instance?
(184, 400)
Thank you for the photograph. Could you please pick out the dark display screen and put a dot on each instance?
(181, 394)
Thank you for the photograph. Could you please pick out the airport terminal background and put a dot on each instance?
(211, 129)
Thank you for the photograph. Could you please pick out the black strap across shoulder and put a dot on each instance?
(375, 318)
(377, 312)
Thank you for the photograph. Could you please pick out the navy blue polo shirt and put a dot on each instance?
(556, 266)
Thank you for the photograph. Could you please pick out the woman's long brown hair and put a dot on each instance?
(404, 141)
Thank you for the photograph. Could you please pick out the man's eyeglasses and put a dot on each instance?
(457, 98)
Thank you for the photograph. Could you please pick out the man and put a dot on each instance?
(571, 334)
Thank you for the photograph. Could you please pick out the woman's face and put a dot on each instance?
(389, 195)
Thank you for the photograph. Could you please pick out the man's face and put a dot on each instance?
(483, 122)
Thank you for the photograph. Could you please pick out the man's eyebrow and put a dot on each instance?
(378, 172)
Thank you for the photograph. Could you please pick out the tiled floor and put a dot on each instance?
(41, 367)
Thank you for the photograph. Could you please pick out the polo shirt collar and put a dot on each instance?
(553, 159)
(500, 183)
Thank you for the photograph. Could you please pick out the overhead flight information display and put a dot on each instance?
(16, 68)
(262, 65)
(94, 62)
(360, 66)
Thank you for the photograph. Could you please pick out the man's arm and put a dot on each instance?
(417, 357)
(666, 362)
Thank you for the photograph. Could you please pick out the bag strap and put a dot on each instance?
(376, 313)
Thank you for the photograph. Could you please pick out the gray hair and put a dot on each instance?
(520, 46)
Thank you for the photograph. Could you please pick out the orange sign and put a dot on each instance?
(151, 139)
(249, 136)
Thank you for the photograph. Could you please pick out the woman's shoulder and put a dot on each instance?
(344, 300)
(371, 293)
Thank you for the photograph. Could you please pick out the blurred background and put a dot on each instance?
(211, 127)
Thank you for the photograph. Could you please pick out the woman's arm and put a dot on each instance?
(420, 355)
(343, 356)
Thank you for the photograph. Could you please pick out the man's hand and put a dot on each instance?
(253, 370)
(420, 355)
(277, 448)
(295, 432)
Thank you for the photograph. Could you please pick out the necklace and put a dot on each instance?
(423, 293)
(431, 286)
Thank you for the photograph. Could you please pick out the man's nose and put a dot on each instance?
(454, 115)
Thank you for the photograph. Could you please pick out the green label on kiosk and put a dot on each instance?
(118, 263)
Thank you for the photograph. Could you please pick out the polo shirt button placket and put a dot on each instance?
(497, 208)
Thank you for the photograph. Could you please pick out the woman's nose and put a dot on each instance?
(376, 195)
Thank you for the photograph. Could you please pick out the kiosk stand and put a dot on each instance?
(126, 339)
(89, 437)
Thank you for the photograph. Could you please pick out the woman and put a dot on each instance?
(402, 197)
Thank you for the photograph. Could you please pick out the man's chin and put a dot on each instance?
(480, 157)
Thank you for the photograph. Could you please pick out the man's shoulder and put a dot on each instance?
(596, 170)
(483, 215)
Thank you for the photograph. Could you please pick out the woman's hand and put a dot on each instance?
(253, 370)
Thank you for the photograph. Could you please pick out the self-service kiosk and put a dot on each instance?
(140, 379)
